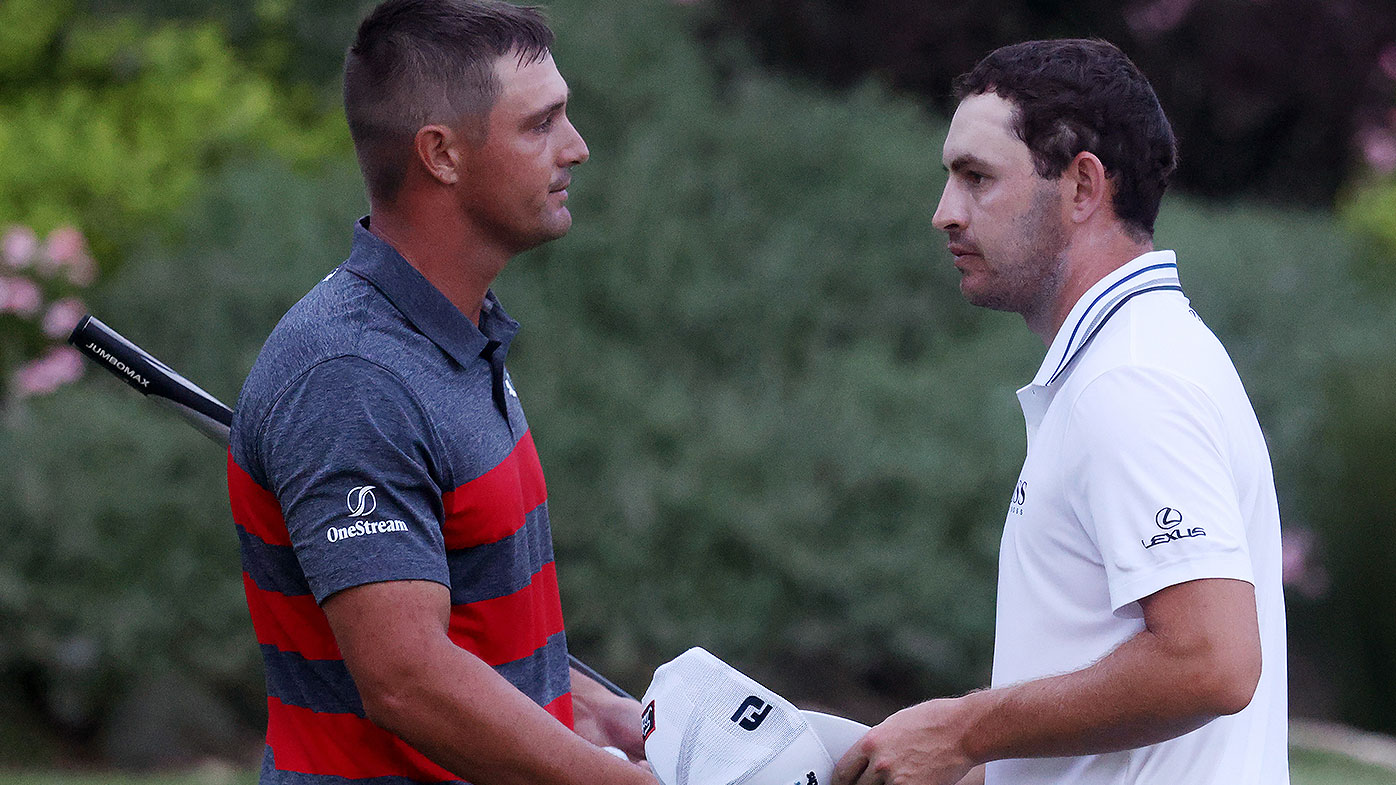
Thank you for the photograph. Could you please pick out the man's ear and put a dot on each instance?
(1087, 186)
(437, 149)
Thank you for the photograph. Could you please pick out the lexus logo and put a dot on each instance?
(361, 501)
(751, 713)
(1168, 517)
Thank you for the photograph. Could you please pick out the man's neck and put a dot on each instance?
(1088, 260)
(444, 250)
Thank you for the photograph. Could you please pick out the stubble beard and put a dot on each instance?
(1030, 275)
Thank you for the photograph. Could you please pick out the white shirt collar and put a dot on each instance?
(1153, 271)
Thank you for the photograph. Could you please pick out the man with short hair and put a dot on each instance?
(389, 502)
(1140, 632)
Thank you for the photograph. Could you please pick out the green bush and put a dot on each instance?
(770, 425)
(110, 123)
(120, 580)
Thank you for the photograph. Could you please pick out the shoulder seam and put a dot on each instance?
(411, 394)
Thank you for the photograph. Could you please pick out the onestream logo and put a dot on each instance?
(362, 502)
(362, 528)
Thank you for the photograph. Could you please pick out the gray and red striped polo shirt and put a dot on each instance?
(379, 438)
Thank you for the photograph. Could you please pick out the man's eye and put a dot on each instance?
(546, 125)
(975, 178)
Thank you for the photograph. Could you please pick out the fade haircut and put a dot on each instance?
(1076, 95)
(418, 62)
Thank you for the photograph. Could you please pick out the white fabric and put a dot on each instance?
(1146, 468)
(706, 723)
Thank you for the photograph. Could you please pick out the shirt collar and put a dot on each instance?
(422, 304)
(1151, 272)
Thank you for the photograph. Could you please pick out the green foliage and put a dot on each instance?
(1371, 212)
(770, 424)
(110, 123)
(743, 370)
(122, 568)
(1317, 767)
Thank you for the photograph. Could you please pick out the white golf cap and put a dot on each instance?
(706, 723)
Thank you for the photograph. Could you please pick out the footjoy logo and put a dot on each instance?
(361, 501)
(751, 713)
(1170, 520)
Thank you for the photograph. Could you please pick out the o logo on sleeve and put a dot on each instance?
(361, 501)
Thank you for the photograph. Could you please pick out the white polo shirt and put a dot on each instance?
(1146, 468)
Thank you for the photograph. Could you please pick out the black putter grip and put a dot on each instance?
(150, 377)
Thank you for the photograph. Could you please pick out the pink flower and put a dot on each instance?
(66, 250)
(1387, 61)
(81, 270)
(1298, 563)
(62, 317)
(1379, 148)
(64, 243)
(59, 366)
(20, 296)
(20, 244)
(1158, 16)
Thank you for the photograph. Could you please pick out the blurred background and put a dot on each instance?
(770, 424)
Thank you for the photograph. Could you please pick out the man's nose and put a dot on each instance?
(575, 151)
(949, 213)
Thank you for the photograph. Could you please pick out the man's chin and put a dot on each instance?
(558, 224)
(982, 297)
(549, 231)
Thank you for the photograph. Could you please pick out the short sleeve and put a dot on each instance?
(347, 450)
(1147, 456)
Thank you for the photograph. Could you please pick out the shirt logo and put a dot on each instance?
(647, 722)
(1020, 497)
(1170, 520)
(363, 529)
(1168, 517)
(751, 713)
(361, 501)
(509, 385)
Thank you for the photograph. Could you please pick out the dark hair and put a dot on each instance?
(417, 62)
(1078, 95)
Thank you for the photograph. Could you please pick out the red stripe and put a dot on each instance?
(255, 509)
(290, 623)
(511, 627)
(342, 745)
(345, 745)
(562, 709)
(492, 506)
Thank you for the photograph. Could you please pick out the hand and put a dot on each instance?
(610, 721)
(920, 745)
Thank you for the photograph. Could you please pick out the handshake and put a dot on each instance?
(706, 723)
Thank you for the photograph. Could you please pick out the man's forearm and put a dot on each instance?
(479, 726)
(447, 703)
(1124, 700)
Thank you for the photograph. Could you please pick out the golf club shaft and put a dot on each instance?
(208, 415)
